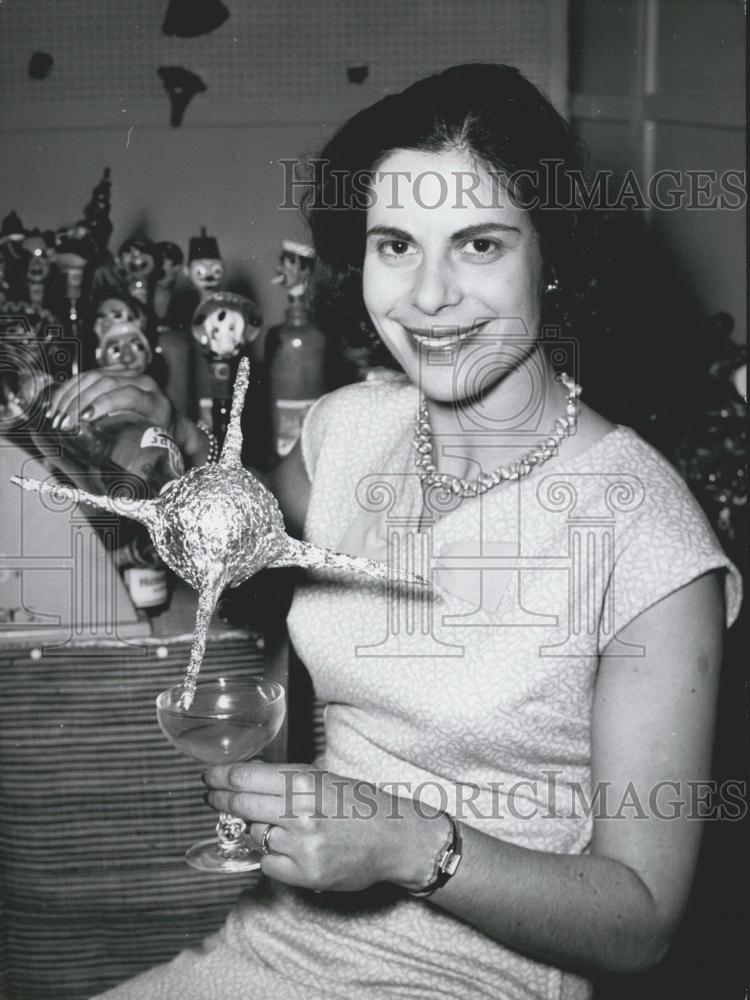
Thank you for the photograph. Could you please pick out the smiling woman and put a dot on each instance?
(471, 731)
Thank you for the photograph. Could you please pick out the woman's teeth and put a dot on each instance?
(445, 341)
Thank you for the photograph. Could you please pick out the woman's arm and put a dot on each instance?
(617, 909)
(613, 910)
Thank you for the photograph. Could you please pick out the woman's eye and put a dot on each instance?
(395, 248)
(482, 247)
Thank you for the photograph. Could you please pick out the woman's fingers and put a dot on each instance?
(99, 400)
(95, 394)
(309, 813)
(258, 776)
(278, 841)
(64, 399)
(248, 805)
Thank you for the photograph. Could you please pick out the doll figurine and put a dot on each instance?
(123, 346)
(113, 308)
(137, 262)
(294, 267)
(224, 323)
(224, 326)
(205, 266)
(39, 250)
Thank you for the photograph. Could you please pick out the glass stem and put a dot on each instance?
(229, 830)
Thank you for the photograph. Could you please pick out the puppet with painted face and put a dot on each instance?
(120, 324)
(224, 326)
(205, 265)
(117, 307)
(137, 261)
(39, 252)
(294, 267)
(124, 347)
(225, 323)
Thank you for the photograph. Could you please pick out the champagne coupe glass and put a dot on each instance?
(230, 720)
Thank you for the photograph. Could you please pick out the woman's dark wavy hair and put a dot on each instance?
(504, 122)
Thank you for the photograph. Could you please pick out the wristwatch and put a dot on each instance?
(446, 863)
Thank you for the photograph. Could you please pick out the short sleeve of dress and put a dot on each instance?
(666, 546)
(313, 430)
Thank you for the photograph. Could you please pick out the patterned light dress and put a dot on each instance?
(478, 694)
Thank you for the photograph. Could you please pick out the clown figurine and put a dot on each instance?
(136, 261)
(117, 307)
(224, 326)
(39, 250)
(294, 267)
(205, 266)
(123, 346)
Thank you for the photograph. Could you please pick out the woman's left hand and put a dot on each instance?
(327, 832)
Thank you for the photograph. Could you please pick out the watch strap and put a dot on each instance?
(446, 863)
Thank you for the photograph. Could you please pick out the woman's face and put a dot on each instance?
(452, 275)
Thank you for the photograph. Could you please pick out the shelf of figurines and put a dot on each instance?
(71, 305)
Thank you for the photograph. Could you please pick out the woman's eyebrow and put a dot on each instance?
(396, 234)
(467, 233)
(481, 228)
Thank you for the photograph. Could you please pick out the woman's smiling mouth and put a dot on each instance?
(430, 340)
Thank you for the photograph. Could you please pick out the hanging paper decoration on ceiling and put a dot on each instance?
(182, 85)
(190, 18)
(40, 65)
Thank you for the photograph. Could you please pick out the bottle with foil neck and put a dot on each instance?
(121, 455)
(295, 356)
(296, 361)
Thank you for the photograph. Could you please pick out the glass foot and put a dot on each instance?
(208, 856)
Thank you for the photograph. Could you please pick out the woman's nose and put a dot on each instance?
(435, 287)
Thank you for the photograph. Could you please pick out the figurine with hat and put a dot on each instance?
(205, 264)
(293, 269)
(137, 261)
